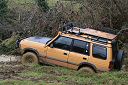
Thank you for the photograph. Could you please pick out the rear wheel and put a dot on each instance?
(29, 58)
(86, 70)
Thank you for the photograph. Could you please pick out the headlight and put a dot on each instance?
(18, 43)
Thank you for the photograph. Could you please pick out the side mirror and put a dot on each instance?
(51, 46)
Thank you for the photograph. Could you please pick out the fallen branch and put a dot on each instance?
(122, 31)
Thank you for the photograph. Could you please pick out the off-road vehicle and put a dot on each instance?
(80, 49)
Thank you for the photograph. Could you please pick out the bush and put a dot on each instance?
(43, 5)
(8, 46)
(3, 8)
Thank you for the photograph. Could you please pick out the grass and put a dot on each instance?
(21, 4)
(16, 82)
(27, 4)
(75, 6)
(23, 1)
(48, 75)
(52, 2)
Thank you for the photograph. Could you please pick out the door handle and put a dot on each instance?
(65, 54)
(84, 58)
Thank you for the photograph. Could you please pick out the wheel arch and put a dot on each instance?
(30, 50)
(85, 64)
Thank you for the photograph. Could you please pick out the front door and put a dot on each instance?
(79, 53)
(58, 51)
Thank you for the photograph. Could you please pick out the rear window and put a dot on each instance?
(99, 52)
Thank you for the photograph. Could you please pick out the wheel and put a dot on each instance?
(29, 58)
(86, 70)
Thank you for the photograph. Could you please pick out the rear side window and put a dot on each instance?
(81, 47)
(63, 43)
(99, 52)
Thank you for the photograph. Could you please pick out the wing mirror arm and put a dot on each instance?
(51, 46)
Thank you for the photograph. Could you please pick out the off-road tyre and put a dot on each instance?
(29, 58)
(86, 70)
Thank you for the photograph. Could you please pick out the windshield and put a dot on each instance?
(48, 41)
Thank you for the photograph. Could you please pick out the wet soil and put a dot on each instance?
(10, 70)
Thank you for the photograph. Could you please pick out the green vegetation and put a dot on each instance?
(52, 2)
(49, 75)
(75, 6)
(43, 5)
(8, 46)
(18, 82)
(22, 4)
(3, 8)
(23, 1)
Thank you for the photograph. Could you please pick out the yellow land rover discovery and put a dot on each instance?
(80, 49)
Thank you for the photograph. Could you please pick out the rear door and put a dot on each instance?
(58, 51)
(79, 53)
(100, 57)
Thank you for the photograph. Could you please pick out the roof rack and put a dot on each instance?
(93, 35)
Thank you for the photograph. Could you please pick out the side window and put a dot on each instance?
(81, 47)
(99, 51)
(63, 43)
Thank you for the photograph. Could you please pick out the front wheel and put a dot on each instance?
(86, 70)
(29, 58)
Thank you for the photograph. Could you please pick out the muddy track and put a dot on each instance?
(10, 68)
(8, 72)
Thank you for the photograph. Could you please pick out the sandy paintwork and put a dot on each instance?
(71, 60)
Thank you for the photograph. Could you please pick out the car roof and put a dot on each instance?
(93, 32)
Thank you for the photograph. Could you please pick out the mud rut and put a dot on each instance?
(10, 67)
(11, 71)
